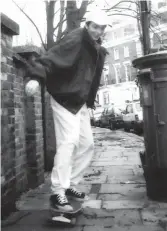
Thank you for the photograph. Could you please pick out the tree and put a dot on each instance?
(132, 8)
(66, 12)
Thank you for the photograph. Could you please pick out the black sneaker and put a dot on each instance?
(59, 202)
(76, 195)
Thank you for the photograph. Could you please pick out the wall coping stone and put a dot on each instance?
(29, 48)
(17, 59)
(8, 25)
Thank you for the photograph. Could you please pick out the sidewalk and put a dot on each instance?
(116, 187)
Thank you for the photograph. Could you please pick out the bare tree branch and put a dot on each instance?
(117, 4)
(123, 15)
(158, 37)
(62, 34)
(57, 11)
(31, 22)
(59, 26)
(124, 8)
(62, 20)
(90, 2)
(83, 8)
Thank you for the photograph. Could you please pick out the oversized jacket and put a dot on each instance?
(72, 70)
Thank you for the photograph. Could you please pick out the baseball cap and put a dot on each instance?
(98, 17)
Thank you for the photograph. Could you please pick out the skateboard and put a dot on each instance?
(63, 217)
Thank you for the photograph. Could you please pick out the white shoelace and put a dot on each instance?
(76, 191)
(62, 199)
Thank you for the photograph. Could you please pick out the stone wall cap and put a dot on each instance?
(18, 58)
(150, 60)
(8, 25)
(27, 51)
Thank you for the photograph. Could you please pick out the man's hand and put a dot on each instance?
(94, 107)
(35, 69)
(31, 87)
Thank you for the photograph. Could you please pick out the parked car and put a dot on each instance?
(95, 115)
(133, 117)
(112, 117)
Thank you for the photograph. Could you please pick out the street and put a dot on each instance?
(115, 185)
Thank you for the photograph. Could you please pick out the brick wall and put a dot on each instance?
(22, 157)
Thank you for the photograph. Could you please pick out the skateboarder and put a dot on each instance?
(72, 71)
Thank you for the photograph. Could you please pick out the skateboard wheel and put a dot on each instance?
(73, 221)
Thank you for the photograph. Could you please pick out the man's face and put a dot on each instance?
(95, 30)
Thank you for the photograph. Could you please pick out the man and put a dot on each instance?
(72, 70)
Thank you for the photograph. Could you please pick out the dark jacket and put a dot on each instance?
(72, 70)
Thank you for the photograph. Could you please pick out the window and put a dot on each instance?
(106, 97)
(106, 68)
(128, 75)
(129, 109)
(110, 110)
(138, 49)
(106, 79)
(97, 98)
(138, 107)
(129, 30)
(117, 68)
(106, 73)
(115, 35)
(164, 37)
(105, 111)
(126, 51)
(116, 53)
(162, 4)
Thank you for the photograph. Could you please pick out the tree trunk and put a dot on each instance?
(145, 23)
(50, 18)
(74, 15)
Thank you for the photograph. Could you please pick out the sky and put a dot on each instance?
(36, 10)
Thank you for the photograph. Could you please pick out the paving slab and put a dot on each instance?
(119, 228)
(101, 228)
(124, 204)
(116, 162)
(124, 189)
(92, 204)
(119, 196)
(154, 216)
(125, 179)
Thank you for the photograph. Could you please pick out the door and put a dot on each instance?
(109, 115)
(129, 113)
(103, 117)
(161, 121)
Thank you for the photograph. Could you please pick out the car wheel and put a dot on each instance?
(100, 124)
(112, 127)
(138, 131)
(126, 128)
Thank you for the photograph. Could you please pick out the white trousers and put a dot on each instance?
(75, 147)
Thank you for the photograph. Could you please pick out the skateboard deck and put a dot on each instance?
(64, 217)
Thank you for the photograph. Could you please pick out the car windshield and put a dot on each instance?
(97, 113)
(98, 110)
(117, 110)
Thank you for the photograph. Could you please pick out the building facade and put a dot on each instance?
(123, 44)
